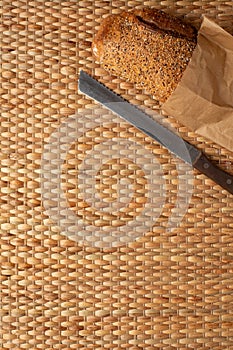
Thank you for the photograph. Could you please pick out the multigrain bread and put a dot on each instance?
(147, 47)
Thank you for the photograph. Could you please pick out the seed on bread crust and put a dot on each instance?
(147, 47)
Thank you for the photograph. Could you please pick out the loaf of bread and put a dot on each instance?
(147, 47)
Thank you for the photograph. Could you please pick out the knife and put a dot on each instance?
(142, 121)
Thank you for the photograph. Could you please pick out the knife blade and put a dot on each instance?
(142, 121)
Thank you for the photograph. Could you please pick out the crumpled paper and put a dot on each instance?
(203, 100)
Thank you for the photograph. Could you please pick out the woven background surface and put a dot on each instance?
(168, 289)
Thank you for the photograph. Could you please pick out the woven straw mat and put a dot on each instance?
(140, 258)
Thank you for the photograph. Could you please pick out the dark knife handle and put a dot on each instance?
(205, 166)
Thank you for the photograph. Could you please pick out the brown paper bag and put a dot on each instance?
(203, 100)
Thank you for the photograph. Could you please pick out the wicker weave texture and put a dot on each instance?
(165, 289)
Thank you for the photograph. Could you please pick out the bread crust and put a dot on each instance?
(147, 47)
